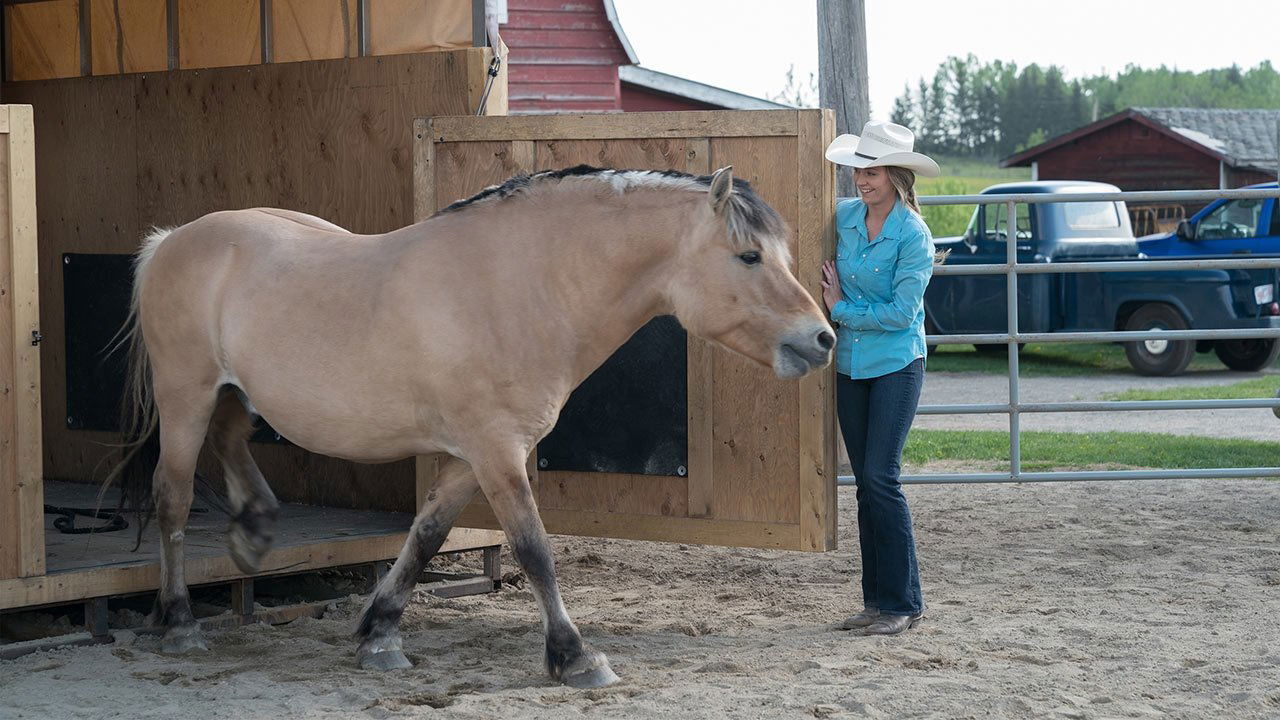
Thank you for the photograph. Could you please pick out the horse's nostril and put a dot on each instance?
(826, 340)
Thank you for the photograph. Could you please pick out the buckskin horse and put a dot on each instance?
(462, 334)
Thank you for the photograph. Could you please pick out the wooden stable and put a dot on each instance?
(108, 157)
(761, 467)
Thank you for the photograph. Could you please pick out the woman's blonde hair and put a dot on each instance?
(904, 183)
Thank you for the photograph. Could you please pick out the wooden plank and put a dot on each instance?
(498, 100)
(655, 154)
(21, 477)
(654, 527)
(744, 123)
(755, 441)
(700, 383)
(424, 173)
(815, 242)
(144, 575)
(614, 493)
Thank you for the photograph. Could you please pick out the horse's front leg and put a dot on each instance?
(569, 660)
(379, 629)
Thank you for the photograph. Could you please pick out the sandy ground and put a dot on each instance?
(1135, 599)
(949, 388)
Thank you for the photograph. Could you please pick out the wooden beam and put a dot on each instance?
(21, 472)
(700, 386)
(842, 71)
(697, 124)
(144, 575)
(815, 243)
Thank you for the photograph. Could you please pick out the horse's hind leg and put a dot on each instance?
(378, 632)
(569, 659)
(254, 507)
(183, 422)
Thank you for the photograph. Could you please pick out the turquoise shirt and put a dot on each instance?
(880, 321)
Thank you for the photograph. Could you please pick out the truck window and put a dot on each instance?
(1232, 219)
(1091, 215)
(1275, 219)
(996, 225)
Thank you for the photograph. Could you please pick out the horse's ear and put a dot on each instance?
(721, 188)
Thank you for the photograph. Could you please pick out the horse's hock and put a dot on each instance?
(671, 439)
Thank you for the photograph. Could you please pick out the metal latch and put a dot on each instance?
(36, 337)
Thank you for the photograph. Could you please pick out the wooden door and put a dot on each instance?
(759, 453)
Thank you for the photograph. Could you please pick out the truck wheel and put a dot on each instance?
(1158, 357)
(1249, 355)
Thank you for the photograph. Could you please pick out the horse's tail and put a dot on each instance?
(139, 420)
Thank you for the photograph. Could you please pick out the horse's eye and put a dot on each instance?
(750, 258)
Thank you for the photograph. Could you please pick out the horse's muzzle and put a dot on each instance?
(800, 353)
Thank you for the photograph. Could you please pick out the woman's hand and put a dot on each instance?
(830, 285)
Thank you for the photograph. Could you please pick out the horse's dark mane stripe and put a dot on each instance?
(519, 183)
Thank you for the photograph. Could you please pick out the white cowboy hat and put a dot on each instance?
(882, 144)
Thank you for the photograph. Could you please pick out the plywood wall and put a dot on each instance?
(761, 451)
(116, 155)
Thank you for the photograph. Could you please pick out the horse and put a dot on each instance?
(462, 334)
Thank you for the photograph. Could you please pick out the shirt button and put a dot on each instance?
(877, 269)
(859, 297)
(857, 340)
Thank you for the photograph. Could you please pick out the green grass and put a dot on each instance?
(1049, 450)
(1261, 387)
(1049, 359)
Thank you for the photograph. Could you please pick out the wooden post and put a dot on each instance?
(842, 71)
(21, 472)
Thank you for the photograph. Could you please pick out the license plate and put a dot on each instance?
(1264, 294)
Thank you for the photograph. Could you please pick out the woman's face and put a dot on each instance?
(873, 185)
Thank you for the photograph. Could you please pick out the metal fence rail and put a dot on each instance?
(1014, 408)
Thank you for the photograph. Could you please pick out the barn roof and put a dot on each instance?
(686, 88)
(1239, 138)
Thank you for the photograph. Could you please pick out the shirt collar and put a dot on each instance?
(857, 219)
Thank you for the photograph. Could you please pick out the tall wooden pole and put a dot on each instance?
(842, 70)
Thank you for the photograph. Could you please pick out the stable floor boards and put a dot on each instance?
(206, 533)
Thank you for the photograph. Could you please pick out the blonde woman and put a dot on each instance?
(874, 290)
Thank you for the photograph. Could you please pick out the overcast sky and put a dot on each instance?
(747, 45)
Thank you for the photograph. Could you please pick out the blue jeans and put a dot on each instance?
(875, 415)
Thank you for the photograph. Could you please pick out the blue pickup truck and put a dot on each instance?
(1075, 302)
(1223, 228)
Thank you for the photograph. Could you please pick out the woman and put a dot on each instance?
(875, 292)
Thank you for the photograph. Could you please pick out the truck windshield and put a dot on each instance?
(1087, 220)
(1091, 215)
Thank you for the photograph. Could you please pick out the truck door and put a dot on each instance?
(1234, 228)
(977, 303)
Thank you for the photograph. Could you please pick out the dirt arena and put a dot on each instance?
(1101, 600)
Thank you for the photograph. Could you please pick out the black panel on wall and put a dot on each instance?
(631, 415)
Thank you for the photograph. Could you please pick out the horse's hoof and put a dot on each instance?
(385, 660)
(589, 670)
(597, 677)
(247, 551)
(179, 641)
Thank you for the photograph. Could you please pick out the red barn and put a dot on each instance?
(573, 56)
(1162, 149)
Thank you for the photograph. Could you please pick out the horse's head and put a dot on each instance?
(732, 283)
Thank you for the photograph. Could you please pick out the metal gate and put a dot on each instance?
(1014, 408)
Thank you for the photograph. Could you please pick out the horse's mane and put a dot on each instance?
(749, 214)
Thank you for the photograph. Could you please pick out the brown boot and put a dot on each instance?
(861, 620)
(892, 624)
